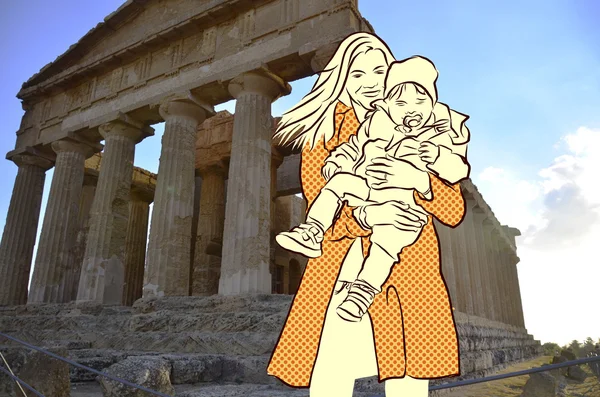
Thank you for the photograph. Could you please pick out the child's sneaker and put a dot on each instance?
(357, 303)
(305, 239)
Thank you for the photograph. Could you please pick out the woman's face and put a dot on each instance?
(367, 77)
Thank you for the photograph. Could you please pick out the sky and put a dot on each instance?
(526, 72)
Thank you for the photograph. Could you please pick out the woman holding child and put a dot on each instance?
(409, 335)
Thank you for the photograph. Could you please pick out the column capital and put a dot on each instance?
(259, 81)
(90, 179)
(187, 105)
(512, 256)
(488, 224)
(138, 193)
(480, 214)
(66, 145)
(470, 201)
(126, 126)
(276, 157)
(25, 159)
(214, 168)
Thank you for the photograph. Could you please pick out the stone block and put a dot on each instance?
(149, 372)
(48, 375)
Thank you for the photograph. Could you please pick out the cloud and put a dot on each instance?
(558, 213)
(562, 205)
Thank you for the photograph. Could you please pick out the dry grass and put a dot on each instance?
(513, 387)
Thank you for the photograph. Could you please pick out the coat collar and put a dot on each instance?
(341, 108)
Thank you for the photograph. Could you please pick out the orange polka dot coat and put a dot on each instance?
(413, 324)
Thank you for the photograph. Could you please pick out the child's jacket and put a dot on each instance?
(378, 136)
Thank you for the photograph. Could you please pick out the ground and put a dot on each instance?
(512, 387)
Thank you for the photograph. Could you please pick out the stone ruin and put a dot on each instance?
(209, 294)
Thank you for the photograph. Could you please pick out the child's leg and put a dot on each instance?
(386, 243)
(341, 187)
(376, 269)
(306, 239)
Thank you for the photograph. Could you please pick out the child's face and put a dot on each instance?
(411, 109)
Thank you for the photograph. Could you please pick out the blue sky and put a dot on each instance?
(528, 74)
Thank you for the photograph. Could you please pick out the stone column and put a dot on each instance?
(479, 216)
(516, 308)
(245, 263)
(460, 257)
(103, 270)
(18, 239)
(286, 279)
(135, 243)
(493, 268)
(503, 295)
(197, 191)
(448, 268)
(209, 236)
(276, 160)
(54, 261)
(85, 205)
(473, 259)
(520, 321)
(169, 248)
(508, 292)
(295, 276)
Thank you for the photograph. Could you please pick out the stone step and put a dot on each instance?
(363, 388)
(231, 343)
(223, 334)
(273, 303)
(186, 368)
(203, 369)
(193, 368)
(93, 389)
(163, 320)
(250, 390)
(64, 309)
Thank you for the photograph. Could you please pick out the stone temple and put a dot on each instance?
(210, 288)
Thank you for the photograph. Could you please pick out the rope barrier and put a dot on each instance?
(11, 371)
(436, 387)
(512, 374)
(156, 393)
(16, 379)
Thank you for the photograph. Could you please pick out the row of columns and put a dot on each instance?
(105, 275)
(479, 266)
(67, 221)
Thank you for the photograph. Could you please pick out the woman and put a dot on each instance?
(410, 329)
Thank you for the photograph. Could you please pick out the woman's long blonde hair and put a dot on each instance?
(313, 118)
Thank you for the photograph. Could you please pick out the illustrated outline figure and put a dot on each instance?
(407, 337)
(408, 124)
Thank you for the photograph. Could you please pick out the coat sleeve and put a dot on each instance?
(446, 203)
(313, 181)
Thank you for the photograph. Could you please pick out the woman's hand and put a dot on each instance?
(395, 213)
(389, 172)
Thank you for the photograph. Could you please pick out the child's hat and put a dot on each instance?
(416, 69)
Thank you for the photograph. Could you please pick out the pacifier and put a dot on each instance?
(412, 120)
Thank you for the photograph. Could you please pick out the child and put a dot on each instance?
(407, 124)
